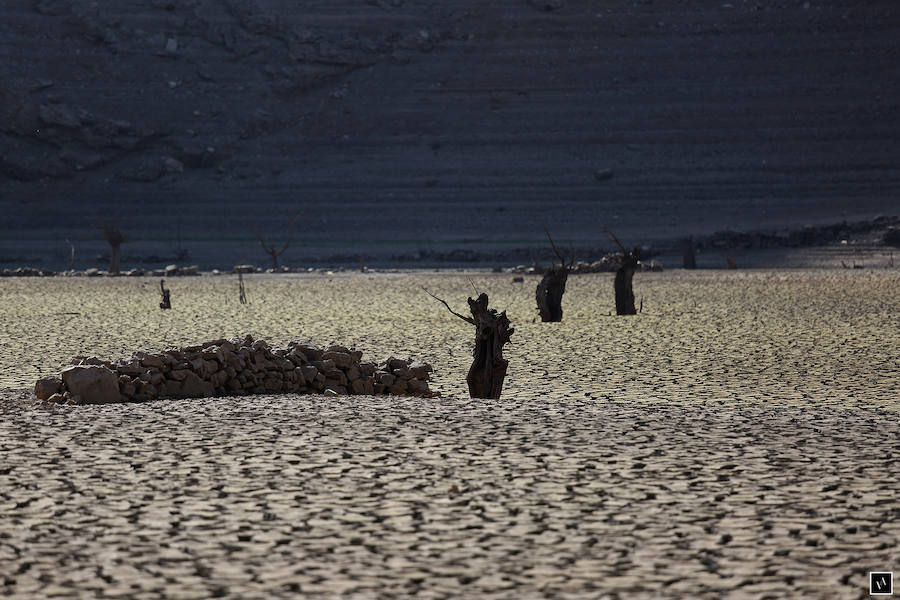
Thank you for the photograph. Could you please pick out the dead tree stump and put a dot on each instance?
(492, 332)
(549, 293)
(550, 290)
(115, 238)
(166, 300)
(622, 284)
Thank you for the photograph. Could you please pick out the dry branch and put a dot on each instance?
(466, 319)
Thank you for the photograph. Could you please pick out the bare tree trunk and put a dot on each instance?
(114, 237)
(550, 292)
(689, 259)
(622, 285)
(492, 331)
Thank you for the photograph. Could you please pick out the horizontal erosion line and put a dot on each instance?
(886, 188)
(649, 138)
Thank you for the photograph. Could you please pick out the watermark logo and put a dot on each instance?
(881, 583)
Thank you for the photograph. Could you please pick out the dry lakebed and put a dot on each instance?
(737, 439)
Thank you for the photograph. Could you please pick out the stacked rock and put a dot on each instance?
(27, 272)
(231, 368)
(609, 263)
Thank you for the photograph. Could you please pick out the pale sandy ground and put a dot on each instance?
(737, 439)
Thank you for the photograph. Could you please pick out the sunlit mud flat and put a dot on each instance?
(738, 438)
(779, 336)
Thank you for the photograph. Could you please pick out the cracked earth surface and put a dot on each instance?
(584, 481)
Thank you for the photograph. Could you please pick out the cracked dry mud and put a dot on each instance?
(584, 481)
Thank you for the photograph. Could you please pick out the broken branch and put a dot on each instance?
(466, 319)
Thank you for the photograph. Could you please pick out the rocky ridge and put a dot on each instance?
(233, 368)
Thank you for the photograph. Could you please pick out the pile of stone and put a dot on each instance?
(609, 263)
(27, 272)
(877, 232)
(169, 271)
(232, 368)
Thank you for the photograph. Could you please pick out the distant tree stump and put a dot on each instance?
(115, 238)
(624, 275)
(166, 300)
(492, 332)
(622, 285)
(549, 293)
(550, 290)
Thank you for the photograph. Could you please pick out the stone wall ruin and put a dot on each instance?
(232, 368)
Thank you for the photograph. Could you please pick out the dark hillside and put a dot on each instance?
(403, 125)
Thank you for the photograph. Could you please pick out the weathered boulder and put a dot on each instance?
(192, 387)
(397, 363)
(132, 369)
(352, 373)
(309, 373)
(420, 370)
(336, 375)
(47, 387)
(367, 369)
(324, 365)
(272, 383)
(399, 388)
(342, 360)
(312, 352)
(179, 374)
(94, 384)
(151, 361)
(127, 389)
(416, 386)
